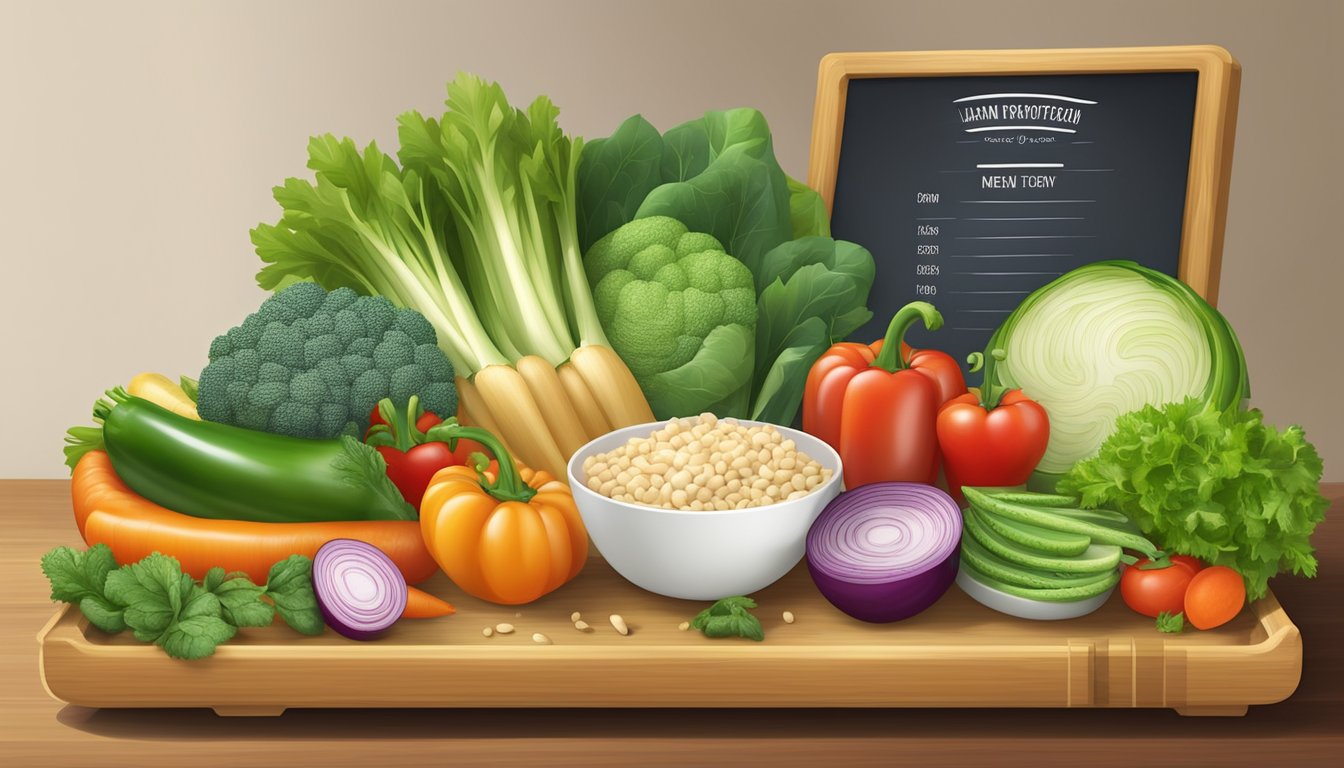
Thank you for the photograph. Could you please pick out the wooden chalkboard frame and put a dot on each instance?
(1215, 121)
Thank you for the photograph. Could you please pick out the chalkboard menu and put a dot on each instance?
(973, 190)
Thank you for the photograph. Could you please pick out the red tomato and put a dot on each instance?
(1192, 563)
(423, 423)
(1158, 590)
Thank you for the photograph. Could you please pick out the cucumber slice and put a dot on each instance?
(1101, 528)
(1029, 499)
(1097, 558)
(1034, 537)
(1065, 595)
(988, 563)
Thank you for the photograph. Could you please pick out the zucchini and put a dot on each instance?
(1097, 558)
(1058, 595)
(1047, 540)
(218, 471)
(1030, 499)
(1101, 528)
(988, 563)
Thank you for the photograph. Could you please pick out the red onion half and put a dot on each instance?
(885, 551)
(358, 588)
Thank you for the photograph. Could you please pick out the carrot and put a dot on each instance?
(422, 605)
(1215, 596)
(107, 512)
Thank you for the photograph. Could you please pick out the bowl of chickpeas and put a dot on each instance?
(702, 508)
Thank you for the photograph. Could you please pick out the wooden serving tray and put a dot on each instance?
(956, 654)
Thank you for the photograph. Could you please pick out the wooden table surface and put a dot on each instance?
(36, 730)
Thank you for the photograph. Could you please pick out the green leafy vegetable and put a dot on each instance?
(730, 617)
(1217, 484)
(1174, 624)
(1109, 338)
(160, 604)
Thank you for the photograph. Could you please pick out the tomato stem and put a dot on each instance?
(400, 431)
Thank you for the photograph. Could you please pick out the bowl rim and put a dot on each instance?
(572, 467)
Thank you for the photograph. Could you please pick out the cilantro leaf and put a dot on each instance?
(198, 629)
(1167, 622)
(242, 605)
(103, 614)
(152, 591)
(290, 586)
(77, 575)
(213, 578)
(1219, 485)
(730, 617)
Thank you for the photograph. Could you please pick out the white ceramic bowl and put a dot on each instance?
(701, 555)
(1025, 608)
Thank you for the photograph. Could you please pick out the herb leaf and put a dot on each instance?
(241, 603)
(103, 614)
(77, 575)
(730, 617)
(1167, 622)
(290, 585)
(152, 591)
(199, 629)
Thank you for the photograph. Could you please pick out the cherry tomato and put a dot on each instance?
(1192, 563)
(1215, 596)
(1157, 590)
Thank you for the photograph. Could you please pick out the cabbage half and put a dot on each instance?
(1107, 339)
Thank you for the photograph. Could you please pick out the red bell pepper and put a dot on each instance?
(877, 404)
(994, 439)
(412, 456)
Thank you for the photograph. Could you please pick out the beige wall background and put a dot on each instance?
(141, 140)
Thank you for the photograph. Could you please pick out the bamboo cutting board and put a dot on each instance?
(956, 654)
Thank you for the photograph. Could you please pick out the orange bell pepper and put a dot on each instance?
(507, 537)
(877, 405)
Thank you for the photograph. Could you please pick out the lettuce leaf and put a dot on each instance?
(1217, 484)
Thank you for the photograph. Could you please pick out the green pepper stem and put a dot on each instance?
(508, 485)
(890, 358)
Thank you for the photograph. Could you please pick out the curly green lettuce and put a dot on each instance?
(1217, 484)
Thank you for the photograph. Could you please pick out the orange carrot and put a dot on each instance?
(107, 512)
(422, 605)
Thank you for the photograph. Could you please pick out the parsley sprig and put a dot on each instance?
(730, 617)
(162, 605)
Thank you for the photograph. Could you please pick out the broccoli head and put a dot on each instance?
(309, 363)
(679, 311)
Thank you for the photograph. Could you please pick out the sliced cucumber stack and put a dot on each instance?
(1039, 556)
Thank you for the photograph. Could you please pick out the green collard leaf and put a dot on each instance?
(615, 175)
(813, 292)
(807, 211)
(716, 375)
(686, 152)
(76, 575)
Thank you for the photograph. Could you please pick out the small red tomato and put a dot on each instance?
(1192, 563)
(1215, 597)
(1156, 590)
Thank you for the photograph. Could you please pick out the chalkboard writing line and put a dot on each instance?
(974, 329)
(1088, 170)
(983, 96)
(1020, 128)
(1007, 273)
(1026, 218)
(1019, 165)
(935, 218)
(986, 293)
(1006, 255)
(1025, 237)
(1082, 142)
(1028, 201)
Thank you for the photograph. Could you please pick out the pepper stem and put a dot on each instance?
(890, 358)
(991, 390)
(400, 431)
(508, 485)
